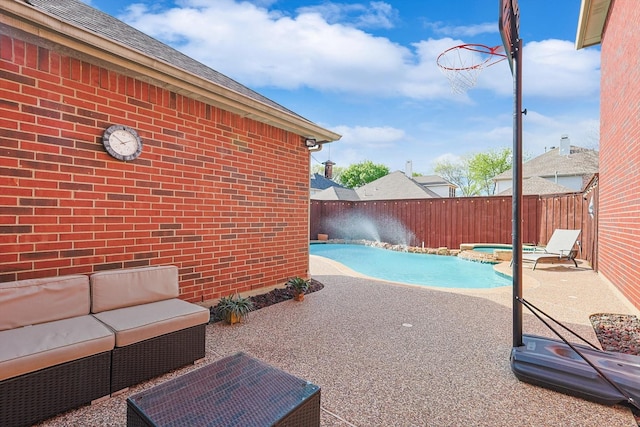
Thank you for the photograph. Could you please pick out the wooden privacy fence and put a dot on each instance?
(449, 222)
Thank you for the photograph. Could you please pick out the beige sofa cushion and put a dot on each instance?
(31, 348)
(114, 289)
(34, 301)
(135, 324)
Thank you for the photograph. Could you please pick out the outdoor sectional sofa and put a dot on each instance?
(69, 340)
(155, 332)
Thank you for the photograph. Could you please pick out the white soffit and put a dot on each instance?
(593, 14)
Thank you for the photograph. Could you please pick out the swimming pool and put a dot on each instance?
(417, 269)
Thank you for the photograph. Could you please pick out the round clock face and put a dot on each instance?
(122, 142)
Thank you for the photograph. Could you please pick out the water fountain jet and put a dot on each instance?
(358, 226)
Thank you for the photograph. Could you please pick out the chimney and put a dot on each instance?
(565, 145)
(328, 169)
(408, 169)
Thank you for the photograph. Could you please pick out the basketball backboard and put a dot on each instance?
(509, 25)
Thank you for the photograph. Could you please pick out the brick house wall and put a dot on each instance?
(619, 206)
(223, 197)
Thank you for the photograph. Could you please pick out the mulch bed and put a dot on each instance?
(619, 333)
(273, 297)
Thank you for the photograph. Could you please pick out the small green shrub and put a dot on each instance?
(298, 284)
(234, 308)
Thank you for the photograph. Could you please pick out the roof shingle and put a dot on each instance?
(580, 161)
(394, 186)
(537, 185)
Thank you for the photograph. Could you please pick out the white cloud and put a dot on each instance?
(322, 49)
(370, 137)
(554, 68)
(327, 48)
(269, 49)
(551, 69)
(381, 145)
(376, 14)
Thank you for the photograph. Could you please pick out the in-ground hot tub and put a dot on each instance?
(497, 252)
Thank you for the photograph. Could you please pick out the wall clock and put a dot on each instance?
(122, 142)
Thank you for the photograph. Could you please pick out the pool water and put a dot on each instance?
(417, 269)
(486, 249)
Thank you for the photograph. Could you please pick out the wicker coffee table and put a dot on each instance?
(235, 391)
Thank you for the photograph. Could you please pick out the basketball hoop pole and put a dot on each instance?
(517, 194)
(509, 26)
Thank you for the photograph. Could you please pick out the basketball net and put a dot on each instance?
(462, 64)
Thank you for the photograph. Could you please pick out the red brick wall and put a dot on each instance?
(619, 207)
(222, 197)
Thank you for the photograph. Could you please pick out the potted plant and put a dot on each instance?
(234, 309)
(298, 286)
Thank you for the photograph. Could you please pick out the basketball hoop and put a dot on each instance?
(462, 64)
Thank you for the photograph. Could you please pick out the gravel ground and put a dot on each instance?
(616, 332)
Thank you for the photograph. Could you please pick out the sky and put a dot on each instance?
(367, 70)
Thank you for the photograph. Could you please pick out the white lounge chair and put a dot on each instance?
(559, 248)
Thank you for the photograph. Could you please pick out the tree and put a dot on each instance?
(458, 173)
(474, 173)
(592, 137)
(484, 166)
(359, 174)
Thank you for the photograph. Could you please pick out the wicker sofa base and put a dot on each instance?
(39, 395)
(147, 359)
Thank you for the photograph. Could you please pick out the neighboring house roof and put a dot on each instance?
(336, 193)
(393, 186)
(538, 185)
(320, 182)
(580, 162)
(431, 180)
(111, 40)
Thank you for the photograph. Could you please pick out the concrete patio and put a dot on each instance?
(395, 355)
